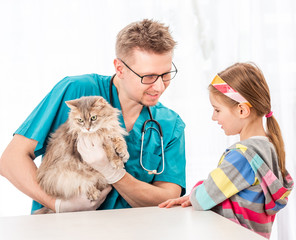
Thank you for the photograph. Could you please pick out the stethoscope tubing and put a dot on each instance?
(143, 130)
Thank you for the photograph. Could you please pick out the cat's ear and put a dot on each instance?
(100, 101)
(72, 104)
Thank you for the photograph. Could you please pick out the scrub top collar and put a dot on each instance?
(144, 115)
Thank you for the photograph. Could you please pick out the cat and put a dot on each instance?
(62, 173)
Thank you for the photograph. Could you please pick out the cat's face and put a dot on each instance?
(86, 123)
(89, 114)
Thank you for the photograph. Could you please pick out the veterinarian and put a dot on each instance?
(143, 70)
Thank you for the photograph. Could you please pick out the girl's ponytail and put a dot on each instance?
(275, 136)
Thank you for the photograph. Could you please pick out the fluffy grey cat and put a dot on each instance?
(62, 173)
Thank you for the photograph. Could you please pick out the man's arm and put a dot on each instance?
(135, 192)
(141, 194)
(17, 165)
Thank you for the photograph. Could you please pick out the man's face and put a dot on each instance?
(144, 63)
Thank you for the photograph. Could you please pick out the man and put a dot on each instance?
(144, 68)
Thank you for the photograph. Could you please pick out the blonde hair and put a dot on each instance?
(248, 80)
(146, 35)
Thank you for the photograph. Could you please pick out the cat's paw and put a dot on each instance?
(93, 193)
(117, 163)
(124, 156)
(120, 148)
(123, 153)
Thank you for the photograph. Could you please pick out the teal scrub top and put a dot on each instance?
(52, 112)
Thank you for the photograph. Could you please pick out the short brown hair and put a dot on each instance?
(146, 35)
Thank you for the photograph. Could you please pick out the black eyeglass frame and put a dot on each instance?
(161, 75)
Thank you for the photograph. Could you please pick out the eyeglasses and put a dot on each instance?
(149, 79)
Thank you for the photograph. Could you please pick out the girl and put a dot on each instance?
(250, 184)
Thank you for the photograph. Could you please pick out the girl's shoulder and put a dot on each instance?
(257, 150)
(257, 145)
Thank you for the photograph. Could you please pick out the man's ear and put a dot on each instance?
(118, 65)
(243, 110)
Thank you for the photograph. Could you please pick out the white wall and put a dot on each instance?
(43, 41)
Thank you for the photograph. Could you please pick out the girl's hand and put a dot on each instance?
(183, 201)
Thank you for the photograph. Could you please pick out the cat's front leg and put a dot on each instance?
(120, 148)
(113, 157)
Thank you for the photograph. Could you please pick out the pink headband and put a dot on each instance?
(224, 88)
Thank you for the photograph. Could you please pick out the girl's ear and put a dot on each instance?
(244, 110)
(118, 67)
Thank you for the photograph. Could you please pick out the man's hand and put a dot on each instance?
(81, 203)
(92, 152)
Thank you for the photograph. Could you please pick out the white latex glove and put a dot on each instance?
(92, 153)
(81, 203)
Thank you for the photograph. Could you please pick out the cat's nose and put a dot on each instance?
(87, 129)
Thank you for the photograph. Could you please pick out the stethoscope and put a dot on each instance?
(144, 130)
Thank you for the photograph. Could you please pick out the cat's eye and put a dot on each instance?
(80, 120)
(93, 118)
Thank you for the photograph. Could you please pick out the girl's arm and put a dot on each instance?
(233, 175)
(183, 201)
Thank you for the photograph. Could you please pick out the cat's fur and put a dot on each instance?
(62, 173)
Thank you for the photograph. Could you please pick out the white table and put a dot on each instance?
(137, 223)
